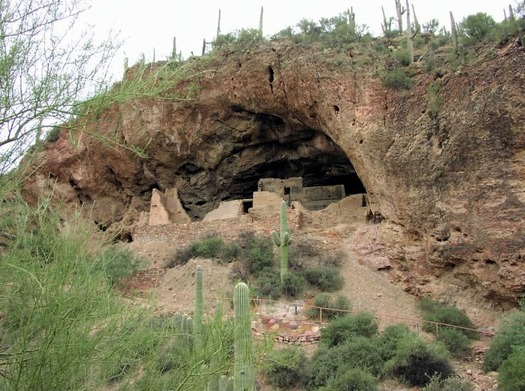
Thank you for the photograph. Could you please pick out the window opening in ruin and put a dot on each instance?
(287, 196)
(247, 204)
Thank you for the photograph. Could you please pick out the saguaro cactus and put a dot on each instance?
(197, 324)
(283, 240)
(225, 383)
(244, 376)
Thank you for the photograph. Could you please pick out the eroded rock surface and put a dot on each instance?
(452, 183)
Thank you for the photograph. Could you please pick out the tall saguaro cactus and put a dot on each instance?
(197, 324)
(283, 240)
(244, 375)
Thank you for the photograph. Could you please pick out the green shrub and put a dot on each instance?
(268, 284)
(511, 335)
(456, 342)
(449, 384)
(477, 27)
(285, 367)
(260, 254)
(326, 302)
(360, 352)
(512, 372)
(208, 247)
(389, 339)
(434, 311)
(354, 379)
(403, 56)
(325, 278)
(292, 285)
(118, 263)
(323, 366)
(415, 362)
(396, 79)
(342, 329)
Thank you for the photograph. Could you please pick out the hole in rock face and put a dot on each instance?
(267, 147)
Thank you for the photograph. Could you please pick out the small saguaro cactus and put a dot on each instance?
(244, 376)
(197, 324)
(283, 239)
(225, 383)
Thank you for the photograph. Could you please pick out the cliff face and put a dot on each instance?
(451, 180)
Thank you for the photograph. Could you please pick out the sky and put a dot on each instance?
(150, 25)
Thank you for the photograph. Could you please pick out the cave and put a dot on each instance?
(270, 147)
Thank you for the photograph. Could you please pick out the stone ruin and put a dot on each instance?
(166, 207)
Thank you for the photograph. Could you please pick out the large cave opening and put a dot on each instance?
(268, 147)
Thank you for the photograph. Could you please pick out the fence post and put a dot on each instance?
(320, 315)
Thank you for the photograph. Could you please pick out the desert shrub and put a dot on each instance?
(452, 383)
(403, 56)
(396, 79)
(512, 372)
(54, 134)
(456, 342)
(354, 379)
(210, 247)
(292, 285)
(434, 311)
(344, 328)
(333, 259)
(285, 367)
(181, 257)
(390, 337)
(478, 27)
(268, 284)
(361, 352)
(230, 252)
(117, 263)
(323, 366)
(259, 254)
(415, 362)
(511, 335)
(326, 279)
(327, 302)
(435, 100)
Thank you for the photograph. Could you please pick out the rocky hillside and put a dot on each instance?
(444, 166)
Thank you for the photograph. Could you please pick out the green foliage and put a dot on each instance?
(268, 284)
(415, 362)
(344, 328)
(431, 27)
(260, 254)
(435, 100)
(53, 135)
(325, 278)
(212, 247)
(396, 79)
(510, 337)
(434, 311)
(478, 27)
(456, 342)
(354, 379)
(292, 285)
(285, 368)
(403, 56)
(452, 383)
(242, 39)
(390, 338)
(118, 263)
(329, 305)
(208, 248)
(512, 372)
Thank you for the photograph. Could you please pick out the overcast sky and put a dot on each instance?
(146, 25)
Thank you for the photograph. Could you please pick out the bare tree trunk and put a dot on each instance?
(454, 33)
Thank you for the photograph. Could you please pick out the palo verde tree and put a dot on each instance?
(48, 63)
